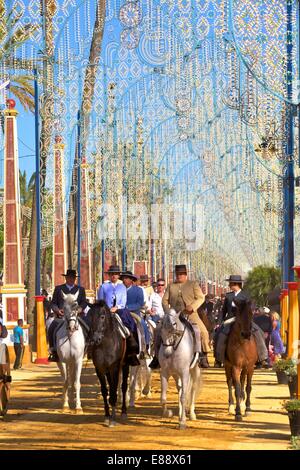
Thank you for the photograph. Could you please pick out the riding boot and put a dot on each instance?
(132, 350)
(53, 356)
(203, 361)
(154, 364)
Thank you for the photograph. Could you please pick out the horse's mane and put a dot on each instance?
(101, 305)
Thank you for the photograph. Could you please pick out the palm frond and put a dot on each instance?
(25, 82)
(25, 99)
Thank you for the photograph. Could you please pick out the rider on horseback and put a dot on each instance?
(114, 293)
(185, 296)
(57, 306)
(227, 318)
(135, 303)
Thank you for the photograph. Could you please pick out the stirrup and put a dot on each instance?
(194, 360)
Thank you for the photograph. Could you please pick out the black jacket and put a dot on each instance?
(228, 310)
(58, 301)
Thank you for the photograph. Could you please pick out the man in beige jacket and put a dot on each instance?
(186, 296)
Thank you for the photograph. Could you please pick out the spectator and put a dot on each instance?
(18, 344)
(276, 341)
(156, 309)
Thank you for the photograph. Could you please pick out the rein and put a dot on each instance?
(176, 333)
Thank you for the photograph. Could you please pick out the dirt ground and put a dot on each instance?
(35, 419)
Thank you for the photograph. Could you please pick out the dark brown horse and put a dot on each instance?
(240, 358)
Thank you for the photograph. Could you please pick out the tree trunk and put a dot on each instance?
(31, 270)
(85, 110)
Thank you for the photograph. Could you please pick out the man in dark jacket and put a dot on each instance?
(57, 306)
(226, 319)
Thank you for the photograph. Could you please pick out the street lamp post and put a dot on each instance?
(288, 171)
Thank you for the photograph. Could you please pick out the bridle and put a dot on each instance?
(174, 342)
(72, 318)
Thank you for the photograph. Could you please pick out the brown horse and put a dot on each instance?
(240, 358)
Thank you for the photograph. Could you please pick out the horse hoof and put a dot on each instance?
(247, 412)
(112, 424)
(79, 411)
(193, 417)
(167, 414)
(231, 410)
(66, 409)
(106, 422)
(146, 390)
(182, 426)
(238, 418)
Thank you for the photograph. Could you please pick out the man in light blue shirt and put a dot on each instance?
(113, 292)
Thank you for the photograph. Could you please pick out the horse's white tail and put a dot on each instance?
(194, 386)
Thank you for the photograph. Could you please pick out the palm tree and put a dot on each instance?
(20, 85)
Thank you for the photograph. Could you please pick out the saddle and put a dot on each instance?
(124, 331)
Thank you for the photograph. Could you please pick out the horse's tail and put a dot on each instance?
(194, 386)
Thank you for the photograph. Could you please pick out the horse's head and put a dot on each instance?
(244, 317)
(71, 310)
(100, 320)
(170, 322)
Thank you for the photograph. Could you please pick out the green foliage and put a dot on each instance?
(295, 443)
(292, 405)
(261, 281)
(286, 365)
(13, 35)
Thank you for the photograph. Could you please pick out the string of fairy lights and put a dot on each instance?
(187, 104)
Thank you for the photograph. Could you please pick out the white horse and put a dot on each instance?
(177, 359)
(70, 349)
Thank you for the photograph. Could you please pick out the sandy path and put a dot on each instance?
(35, 420)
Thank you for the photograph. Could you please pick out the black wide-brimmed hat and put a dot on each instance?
(113, 269)
(235, 278)
(128, 274)
(180, 268)
(70, 272)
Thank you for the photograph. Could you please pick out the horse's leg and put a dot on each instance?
(104, 393)
(163, 397)
(242, 403)
(147, 387)
(65, 376)
(77, 367)
(248, 390)
(182, 398)
(228, 371)
(132, 385)
(113, 380)
(125, 373)
(236, 373)
(195, 378)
